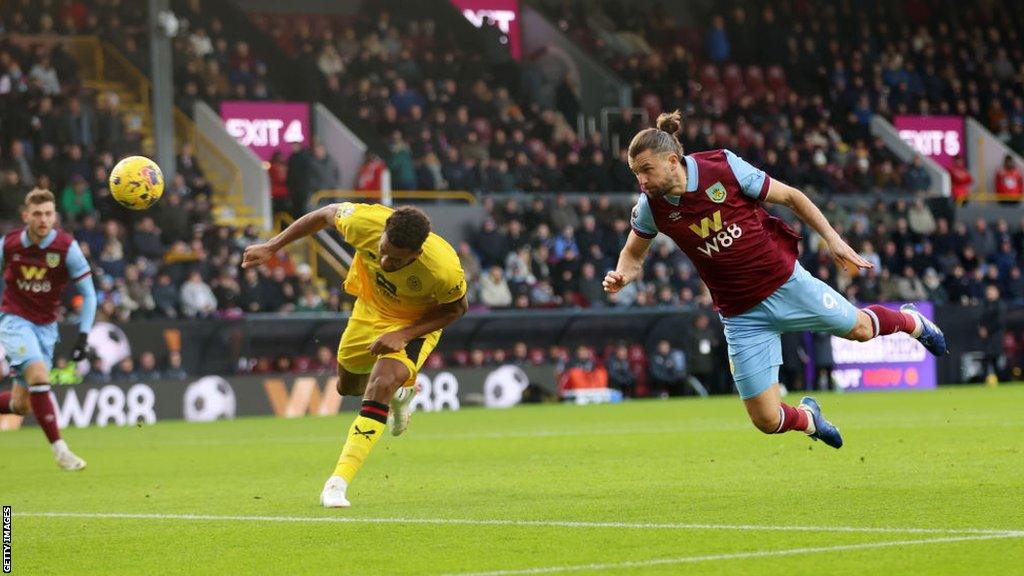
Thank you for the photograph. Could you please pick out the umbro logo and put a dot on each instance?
(364, 433)
(674, 215)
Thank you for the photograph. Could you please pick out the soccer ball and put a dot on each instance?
(208, 399)
(110, 343)
(136, 182)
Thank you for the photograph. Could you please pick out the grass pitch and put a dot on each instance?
(928, 483)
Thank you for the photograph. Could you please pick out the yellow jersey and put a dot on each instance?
(435, 278)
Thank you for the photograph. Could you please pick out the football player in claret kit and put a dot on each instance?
(408, 285)
(709, 203)
(38, 262)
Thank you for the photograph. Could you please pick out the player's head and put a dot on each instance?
(39, 213)
(656, 157)
(405, 231)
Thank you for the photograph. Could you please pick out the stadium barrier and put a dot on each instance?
(208, 398)
(219, 347)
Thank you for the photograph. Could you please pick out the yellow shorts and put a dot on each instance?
(362, 330)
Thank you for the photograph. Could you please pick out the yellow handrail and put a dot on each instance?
(314, 249)
(140, 81)
(468, 197)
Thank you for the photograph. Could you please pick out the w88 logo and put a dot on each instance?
(723, 239)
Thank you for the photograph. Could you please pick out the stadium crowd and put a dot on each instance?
(447, 128)
(795, 83)
(553, 252)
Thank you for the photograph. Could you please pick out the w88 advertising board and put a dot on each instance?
(894, 362)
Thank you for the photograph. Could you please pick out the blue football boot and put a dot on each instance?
(931, 337)
(823, 429)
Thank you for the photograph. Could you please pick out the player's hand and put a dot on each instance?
(614, 281)
(388, 343)
(847, 257)
(256, 255)
(81, 350)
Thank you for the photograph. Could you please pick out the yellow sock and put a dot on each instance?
(364, 433)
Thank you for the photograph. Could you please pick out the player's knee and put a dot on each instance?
(382, 385)
(861, 333)
(20, 406)
(767, 423)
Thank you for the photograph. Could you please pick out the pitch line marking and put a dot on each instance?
(734, 556)
(522, 523)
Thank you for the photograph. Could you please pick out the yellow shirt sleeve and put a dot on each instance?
(451, 285)
(361, 225)
(346, 219)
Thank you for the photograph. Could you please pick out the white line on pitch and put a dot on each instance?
(522, 523)
(733, 556)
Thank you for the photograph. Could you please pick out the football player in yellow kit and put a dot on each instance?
(408, 285)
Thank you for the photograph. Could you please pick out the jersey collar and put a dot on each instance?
(691, 174)
(44, 244)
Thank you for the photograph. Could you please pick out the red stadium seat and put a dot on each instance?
(732, 76)
(776, 77)
(651, 104)
(709, 77)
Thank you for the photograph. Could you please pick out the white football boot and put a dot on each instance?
(66, 459)
(333, 495)
(401, 412)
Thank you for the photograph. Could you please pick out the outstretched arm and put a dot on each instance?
(435, 319)
(630, 260)
(311, 223)
(801, 205)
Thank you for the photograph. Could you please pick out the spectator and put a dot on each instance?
(146, 240)
(718, 41)
(76, 198)
(590, 286)
(991, 328)
(323, 171)
(300, 178)
(620, 372)
(400, 163)
(278, 173)
(148, 371)
(165, 296)
(135, 293)
(77, 125)
(310, 300)
(45, 76)
(582, 372)
(494, 290)
(667, 369)
(174, 370)
(197, 299)
(920, 219)
(961, 181)
(18, 162)
(124, 371)
(917, 178)
(521, 355)
(1009, 183)
(253, 291)
(110, 131)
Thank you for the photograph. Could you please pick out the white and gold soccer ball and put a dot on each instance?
(136, 182)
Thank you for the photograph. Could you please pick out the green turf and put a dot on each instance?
(952, 459)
